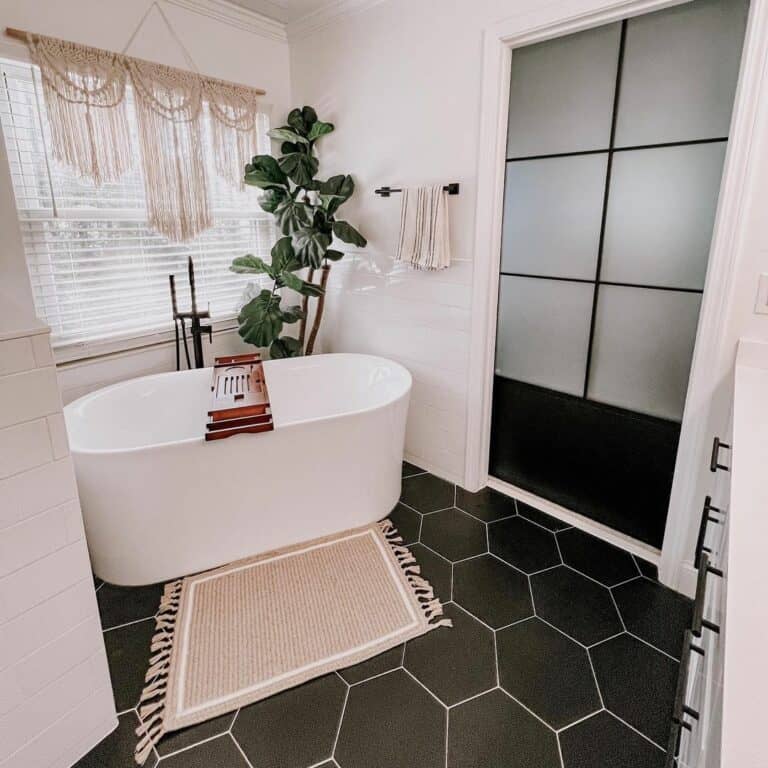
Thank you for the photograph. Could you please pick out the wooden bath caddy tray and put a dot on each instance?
(240, 401)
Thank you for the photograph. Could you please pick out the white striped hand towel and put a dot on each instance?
(424, 241)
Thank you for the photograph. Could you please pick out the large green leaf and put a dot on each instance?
(263, 171)
(292, 314)
(310, 246)
(284, 256)
(301, 286)
(250, 265)
(334, 255)
(271, 198)
(292, 215)
(286, 134)
(299, 167)
(261, 319)
(346, 232)
(319, 129)
(285, 347)
(336, 191)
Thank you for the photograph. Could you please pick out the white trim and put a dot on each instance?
(708, 400)
(317, 20)
(552, 21)
(598, 530)
(236, 16)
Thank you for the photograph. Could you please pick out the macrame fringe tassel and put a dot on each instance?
(153, 697)
(175, 180)
(430, 606)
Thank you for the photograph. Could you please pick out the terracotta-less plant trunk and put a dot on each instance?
(326, 268)
(305, 309)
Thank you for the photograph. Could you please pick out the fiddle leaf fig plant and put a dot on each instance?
(305, 210)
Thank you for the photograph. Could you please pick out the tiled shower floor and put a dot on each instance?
(563, 654)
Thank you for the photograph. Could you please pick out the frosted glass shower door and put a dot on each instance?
(616, 143)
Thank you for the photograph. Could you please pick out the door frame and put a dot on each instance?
(711, 359)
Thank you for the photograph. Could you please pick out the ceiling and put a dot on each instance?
(285, 11)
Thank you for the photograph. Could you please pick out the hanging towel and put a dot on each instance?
(424, 242)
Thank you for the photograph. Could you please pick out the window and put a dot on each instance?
(99, 274)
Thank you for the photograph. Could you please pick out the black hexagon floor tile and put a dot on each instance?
(540, 518)
(547, 672)
(637, 683)
(454, 663)
(654, 613)
(407, 522)
(391, 722)
(127, 655)
(435, 569)
(295, 728)
(221, 752)
(411, 469)
(454, 534)
(186, 737)
(427, 493)
(492, 590)
(116, 750)
(120, 605)
(384, 662)
(523, 544)
(649, 570)
(603, 741)
(575, 605)
(493, 731)
(486, 504)
(595, 558)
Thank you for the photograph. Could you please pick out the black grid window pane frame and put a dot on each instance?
(610, 151)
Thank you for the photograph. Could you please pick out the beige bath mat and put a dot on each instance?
(232, 636)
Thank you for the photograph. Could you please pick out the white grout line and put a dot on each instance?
(651, 645)
(374, 677)
(128, 624)
(447, 731)
(594, 677)
(433, 695)
(408, 506)
(544, 570)
(637, 565)
(626, 581)
(559, 551)
(639, 733)
(527, 709)
(600, 642)
(196, 744)
(435, 552)
(564, 634)
(559, 750)
(435, 511)
(341, 721)
(240, 750)
(581, 719)
(415, 474)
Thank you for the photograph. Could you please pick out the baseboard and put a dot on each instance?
(687, 576)
(600, 531)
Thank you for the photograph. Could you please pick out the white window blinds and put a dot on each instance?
(99, 274)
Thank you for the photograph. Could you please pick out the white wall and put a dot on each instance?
(401, 80)
(222, 42)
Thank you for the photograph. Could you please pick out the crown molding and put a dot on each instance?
(235, 16)
(322, 17)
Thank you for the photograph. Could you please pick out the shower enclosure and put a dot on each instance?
(616, 142)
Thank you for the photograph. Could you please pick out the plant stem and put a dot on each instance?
(326, 268)
(305, 309)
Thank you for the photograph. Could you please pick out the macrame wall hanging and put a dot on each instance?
(85, 95)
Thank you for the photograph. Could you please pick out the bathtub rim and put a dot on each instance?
(201, 438)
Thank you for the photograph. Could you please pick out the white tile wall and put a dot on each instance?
(55, 692)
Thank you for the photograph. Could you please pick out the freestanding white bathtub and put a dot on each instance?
(159, 502)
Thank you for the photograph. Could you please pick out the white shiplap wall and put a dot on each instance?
(55, 693)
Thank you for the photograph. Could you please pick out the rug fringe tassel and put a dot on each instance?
(153, 697)
(430, 606)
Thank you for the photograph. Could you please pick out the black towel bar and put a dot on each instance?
(451, 189)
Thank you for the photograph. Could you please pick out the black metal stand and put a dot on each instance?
(197, 330)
